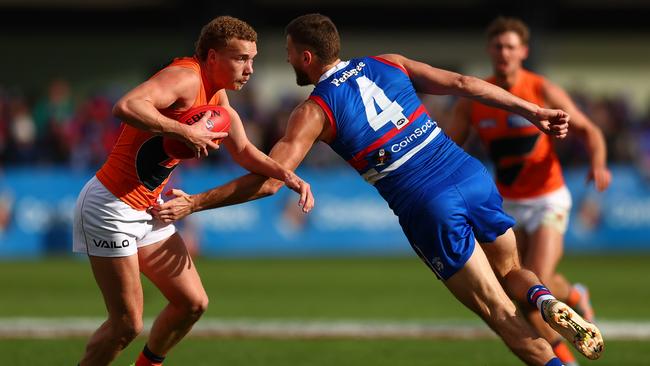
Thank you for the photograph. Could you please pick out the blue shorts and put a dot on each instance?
(442, 220)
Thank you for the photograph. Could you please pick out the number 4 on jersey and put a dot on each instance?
(373, 96)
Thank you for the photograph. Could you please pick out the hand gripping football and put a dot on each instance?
(219, 121)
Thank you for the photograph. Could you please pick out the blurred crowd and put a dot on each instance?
(58, 127)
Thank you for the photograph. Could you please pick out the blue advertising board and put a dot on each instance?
(350, 218)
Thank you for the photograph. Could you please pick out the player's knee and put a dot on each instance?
(195, 307)
(200, 306)
(127, 328)
(502, 313)
(271, 187)
(530, 346)
(498, 312)
(545, 277)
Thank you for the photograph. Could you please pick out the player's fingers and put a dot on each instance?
(205, 117)
(154, 212)
(309, 202)
(201, 152)
(559, 130)
(161, 216)
(603, 181)
(558, 115)
(218, 135)
(178, 192)
(213, 145)
(304, 192)
(164, 206)
(559, 125)
(167, 215)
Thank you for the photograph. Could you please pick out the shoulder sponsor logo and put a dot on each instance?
(517, 121)
(99, 243)
(348, 74)
(487, 123)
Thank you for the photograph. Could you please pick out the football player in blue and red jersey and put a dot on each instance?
(368, 111)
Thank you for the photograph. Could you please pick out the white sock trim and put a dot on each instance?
(543, 298)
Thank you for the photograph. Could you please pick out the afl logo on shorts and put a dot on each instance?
(437, 265)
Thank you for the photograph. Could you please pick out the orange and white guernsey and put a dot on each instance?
(526, 164)
(138, 168)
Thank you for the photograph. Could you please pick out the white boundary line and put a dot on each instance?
(250, 328)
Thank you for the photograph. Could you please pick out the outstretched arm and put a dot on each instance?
(587, 130)
(306, 126)
(431, 80)
(249, 157)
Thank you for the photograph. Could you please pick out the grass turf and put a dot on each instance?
(267, 352)
(358, 289)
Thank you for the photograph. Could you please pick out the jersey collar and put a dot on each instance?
(334, 69)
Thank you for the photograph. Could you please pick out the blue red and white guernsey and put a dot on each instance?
(383, 130)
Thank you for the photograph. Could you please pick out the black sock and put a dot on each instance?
(152, 356)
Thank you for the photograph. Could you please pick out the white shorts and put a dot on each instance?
(104, 226)
(551, 209)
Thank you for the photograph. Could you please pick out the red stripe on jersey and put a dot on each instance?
(357, 160)
(383, 60)
(327, 111)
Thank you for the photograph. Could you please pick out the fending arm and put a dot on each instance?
(306, 126)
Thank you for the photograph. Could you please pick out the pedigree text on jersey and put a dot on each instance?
(348, 73)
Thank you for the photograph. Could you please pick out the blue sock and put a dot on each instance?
(554, 362)
(537, 295)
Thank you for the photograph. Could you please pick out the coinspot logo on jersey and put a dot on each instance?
(413, 136)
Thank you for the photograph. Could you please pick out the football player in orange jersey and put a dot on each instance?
(528, 173)
(112, 223)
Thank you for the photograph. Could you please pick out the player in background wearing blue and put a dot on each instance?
(368, 111)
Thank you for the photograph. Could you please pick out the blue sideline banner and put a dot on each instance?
(350, 218)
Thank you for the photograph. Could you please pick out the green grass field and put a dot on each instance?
(265, 352)
(358, 289)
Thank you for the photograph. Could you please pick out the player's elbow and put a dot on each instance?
(120, 109)
(465, 84)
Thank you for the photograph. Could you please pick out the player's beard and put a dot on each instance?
(301, 77)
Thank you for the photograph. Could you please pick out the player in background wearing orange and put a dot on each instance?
(528, 173)
(112, 224)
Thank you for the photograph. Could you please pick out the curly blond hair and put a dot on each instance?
(217, 33)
